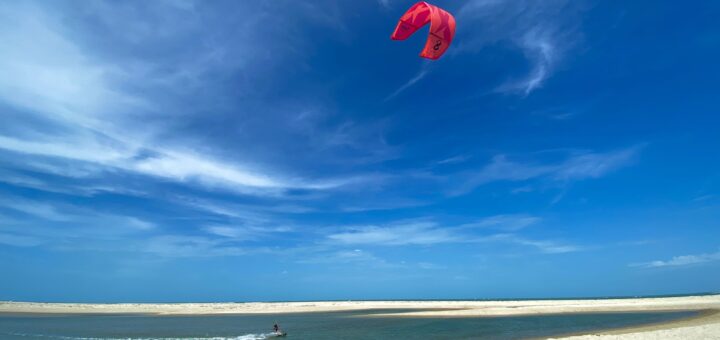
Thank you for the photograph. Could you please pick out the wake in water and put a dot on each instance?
(259, 336)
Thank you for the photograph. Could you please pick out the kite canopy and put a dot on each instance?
(442, 28)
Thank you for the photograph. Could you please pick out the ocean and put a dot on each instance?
(335, 325)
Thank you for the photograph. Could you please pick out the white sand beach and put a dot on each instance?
(703, 327)
(706, 326)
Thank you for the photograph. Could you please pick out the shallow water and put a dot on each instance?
(338, 325)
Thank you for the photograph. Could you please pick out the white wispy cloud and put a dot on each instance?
(246, 232)
(137, 223)
(680, 261)
(19, 240)
(66, 227)
(384, 3)
(237, 211)
(540, 48)
(559, 113)
(55, 223)
(594, 165)
(704, 198)
(424, 70)
(83, 114)
(180, 246)
(243, 222)
(183, 167)
(347, 256)
(548, 247)
(249, 221)
(428, 232)
(582, 165)
(35, 209)
(403, 233)
(543, 30)
(49, 74)
(231, 232)
(454, 159)
(180, 166)
(80, 149)
(71, 184)
(385, 203)
(504, 222)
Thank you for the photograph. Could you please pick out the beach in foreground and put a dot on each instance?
(704, 326)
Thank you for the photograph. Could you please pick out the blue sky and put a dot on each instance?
(286, 150)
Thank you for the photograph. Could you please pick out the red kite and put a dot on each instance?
(442, 28)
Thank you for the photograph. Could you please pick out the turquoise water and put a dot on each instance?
(339, 325)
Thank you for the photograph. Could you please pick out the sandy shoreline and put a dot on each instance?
(415, 308)
(706, 326)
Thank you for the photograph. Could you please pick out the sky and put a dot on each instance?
(173, 151)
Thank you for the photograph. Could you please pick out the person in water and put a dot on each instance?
(276, 328)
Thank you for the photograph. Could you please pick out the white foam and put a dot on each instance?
(259, 336)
